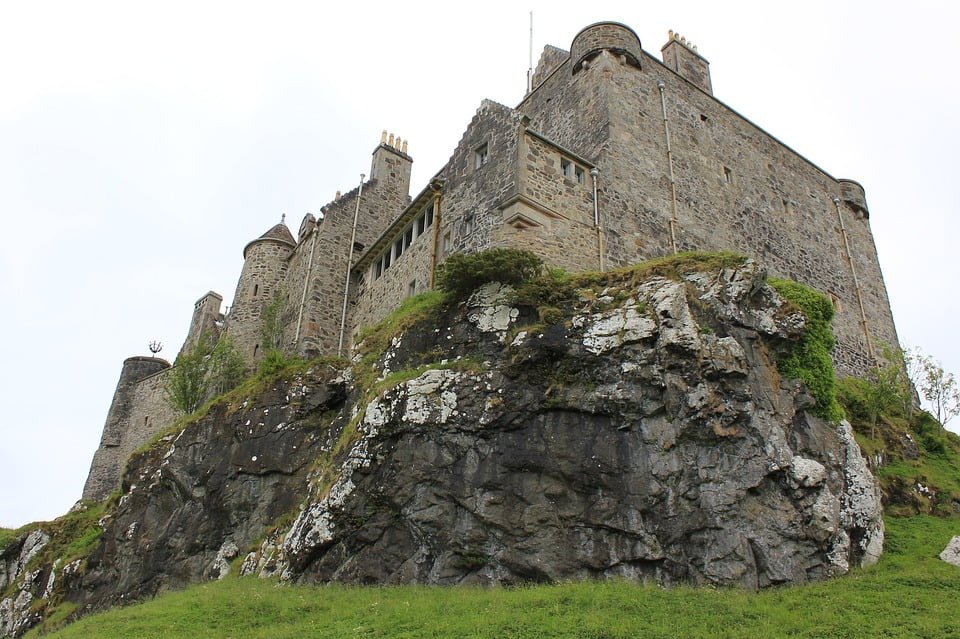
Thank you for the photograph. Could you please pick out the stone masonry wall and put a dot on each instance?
(739, 189)
(382, 201)
(139, 409)
(264, 268)
(568, 239)
(377, 297)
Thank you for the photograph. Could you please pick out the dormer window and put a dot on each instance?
(481, 156)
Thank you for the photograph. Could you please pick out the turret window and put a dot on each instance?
(256, 287)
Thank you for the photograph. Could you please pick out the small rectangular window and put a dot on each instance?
(421, 224)
(468, 225)
(578, 174)
(480, 156)
(430, 216)
(398, 248)
(447, 243)
(566, 167)
(378, 269)
(386, 260)
(727, 175)
(412, 288)
(408, 238)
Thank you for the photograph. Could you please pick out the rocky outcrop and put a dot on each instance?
(951, 554)
(647, 434)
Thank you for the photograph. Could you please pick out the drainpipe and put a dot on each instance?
(856, 282)
(436, 236)
(306, 281)
(673, 182)
(595, 175)
(346, 275)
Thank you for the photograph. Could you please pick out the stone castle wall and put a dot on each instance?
(513, 181)
(264, 269)
(139, 409)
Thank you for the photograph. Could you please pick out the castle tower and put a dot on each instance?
(206, 321)
(265, 261)
(130, 422)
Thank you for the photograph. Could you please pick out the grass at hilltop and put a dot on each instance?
(910, 593)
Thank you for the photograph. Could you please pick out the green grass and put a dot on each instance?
(810, 359)
(909, 594)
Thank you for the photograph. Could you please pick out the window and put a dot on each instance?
(447, 243)
(469, 223)
(412, 288)
(480, 156)
(727, 175)
(408, 238)
(421, 225)
(256, 287)
(398, 248)
(572, 171)
(256, 349)
(429, 216)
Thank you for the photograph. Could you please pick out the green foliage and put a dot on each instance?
(7, 536)
(461, 273)
(909, 594)
(273, 362)
(187, 383)
(938, 387)
(271, 328)
(226, 368)
(810, 359)
(209, 367)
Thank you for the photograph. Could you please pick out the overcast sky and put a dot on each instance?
(142, 145)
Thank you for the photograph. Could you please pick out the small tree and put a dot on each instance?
(188, 382)
(938, 387)
(271, 329)
(210, 367)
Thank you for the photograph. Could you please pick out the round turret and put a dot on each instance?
(264, 267)
(853, 194)
(610, 36)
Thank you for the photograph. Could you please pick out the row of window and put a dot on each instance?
(416, 228)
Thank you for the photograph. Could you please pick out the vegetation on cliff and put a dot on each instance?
(910, 593)
(915, 458)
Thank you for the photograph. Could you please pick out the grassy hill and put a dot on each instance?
(910, 593)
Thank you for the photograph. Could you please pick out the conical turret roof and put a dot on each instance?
(278, 233)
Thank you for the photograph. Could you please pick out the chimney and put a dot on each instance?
(681, 57)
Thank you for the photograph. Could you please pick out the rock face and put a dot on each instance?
(646, 435)
(951, 554)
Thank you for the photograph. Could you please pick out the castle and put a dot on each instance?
(612, 157)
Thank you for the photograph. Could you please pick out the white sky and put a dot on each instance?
(142, 145)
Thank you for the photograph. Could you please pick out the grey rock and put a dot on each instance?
(951, 554)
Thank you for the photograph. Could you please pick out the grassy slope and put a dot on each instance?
(910, 593)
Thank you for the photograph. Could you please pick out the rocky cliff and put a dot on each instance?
(636, 427)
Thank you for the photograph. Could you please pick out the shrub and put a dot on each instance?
(208, 367)
(810, 359)
(272, 363)
(462, 273)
